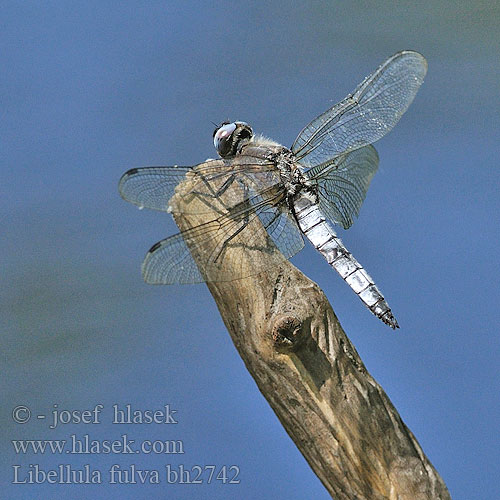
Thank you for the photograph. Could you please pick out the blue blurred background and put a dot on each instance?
(90, 89)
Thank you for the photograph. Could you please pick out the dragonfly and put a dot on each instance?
(258, 190)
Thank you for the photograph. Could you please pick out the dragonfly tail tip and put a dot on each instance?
(390, 320)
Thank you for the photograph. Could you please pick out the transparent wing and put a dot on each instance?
(366, 115)
(280, 226)
(343, 182)
(169, 262)
(254, 231)
(153, 187)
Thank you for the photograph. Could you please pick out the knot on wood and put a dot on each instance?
(287, 333)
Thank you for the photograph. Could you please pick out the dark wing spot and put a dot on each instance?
(155, 247)
(130, 172)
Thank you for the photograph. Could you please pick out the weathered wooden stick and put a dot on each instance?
(305, 366)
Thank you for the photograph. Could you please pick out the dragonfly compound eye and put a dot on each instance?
(223, 139)
(230, 137)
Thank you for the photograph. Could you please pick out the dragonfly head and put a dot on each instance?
(229, 137)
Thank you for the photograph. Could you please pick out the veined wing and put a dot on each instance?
(153, 187)
(214, 251)
(343, 182)
(367, 114)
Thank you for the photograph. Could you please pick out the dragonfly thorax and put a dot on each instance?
(291, 173)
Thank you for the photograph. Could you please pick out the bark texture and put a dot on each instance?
(305, 366)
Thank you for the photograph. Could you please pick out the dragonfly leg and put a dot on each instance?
(225, 245)
(244, 224)
(207, 197)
